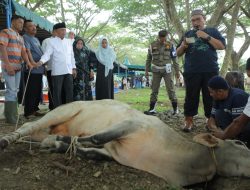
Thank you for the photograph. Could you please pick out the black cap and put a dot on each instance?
(163, 33)
(217, 83)
(197, 12)
(59, 25)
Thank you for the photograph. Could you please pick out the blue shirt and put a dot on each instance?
(200, 56)
(33, 44)
(232, 106)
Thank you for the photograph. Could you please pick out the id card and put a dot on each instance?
(168, 68)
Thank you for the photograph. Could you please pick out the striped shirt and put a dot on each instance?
(14, 45)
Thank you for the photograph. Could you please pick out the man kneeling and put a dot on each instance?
(229, 103)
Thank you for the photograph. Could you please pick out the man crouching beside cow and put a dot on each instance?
(234, 122)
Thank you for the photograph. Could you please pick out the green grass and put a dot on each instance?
(139, 99)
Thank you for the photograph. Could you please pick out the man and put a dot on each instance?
(63, 65)
(199, 45)
(229, 103)
(12, 53)
(71, 36)
(240, 127)
(48, 69)
(34, 86)
(162, 56)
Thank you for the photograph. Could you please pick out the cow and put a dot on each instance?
(109, 129)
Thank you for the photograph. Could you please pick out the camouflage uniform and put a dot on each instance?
(163, 58)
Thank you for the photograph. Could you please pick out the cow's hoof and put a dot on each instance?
(3, 144)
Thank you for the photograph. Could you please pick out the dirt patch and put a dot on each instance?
(22, 166)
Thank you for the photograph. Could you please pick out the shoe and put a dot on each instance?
(175, 112)
(150, 112)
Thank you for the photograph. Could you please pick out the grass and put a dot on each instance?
(139, 99)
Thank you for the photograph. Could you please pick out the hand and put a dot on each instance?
(201, 34)
(10, 70)
(177, 75)
(91, 75)
(217, 133)
(74, 73)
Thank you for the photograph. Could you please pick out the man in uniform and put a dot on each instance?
(162, 56)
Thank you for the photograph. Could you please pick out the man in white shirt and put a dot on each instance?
(63, 69)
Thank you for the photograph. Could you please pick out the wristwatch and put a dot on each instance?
(208, 38)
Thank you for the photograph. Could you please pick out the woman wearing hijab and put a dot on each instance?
(104, 77)
(81, 84)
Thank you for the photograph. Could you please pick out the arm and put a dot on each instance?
(148, 62)
(234, 128)
(46, 56)
(4, 57)
(217, 44)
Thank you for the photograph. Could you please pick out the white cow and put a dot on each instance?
(136, 140)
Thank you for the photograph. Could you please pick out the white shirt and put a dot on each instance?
(246, 111)
(44, 46)
(62, 56)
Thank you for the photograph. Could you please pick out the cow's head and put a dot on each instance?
(231, 157)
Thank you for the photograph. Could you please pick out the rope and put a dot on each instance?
(211, 150)
(72, 147)
(26, 85)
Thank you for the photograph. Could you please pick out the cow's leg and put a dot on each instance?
(55, 117)
(61, 147)
(98, 140)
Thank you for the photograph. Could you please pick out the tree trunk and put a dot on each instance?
(230, 38)
(62, 11)
(171, 13)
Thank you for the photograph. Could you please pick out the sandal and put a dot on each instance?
(187, 128)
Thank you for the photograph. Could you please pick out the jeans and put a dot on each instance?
(12, 85)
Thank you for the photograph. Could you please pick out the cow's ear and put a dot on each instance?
(206, 139)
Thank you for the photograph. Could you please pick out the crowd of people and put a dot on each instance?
(69, 66)
(67, 63)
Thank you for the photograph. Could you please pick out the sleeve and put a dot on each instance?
(217, 35)
(44, 44)
(48, 52)
(26, 43)
(238, 104)
(4, 38)
(149, 59)
(246, 110)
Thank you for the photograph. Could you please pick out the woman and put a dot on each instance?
(104, 77)
(82, 88)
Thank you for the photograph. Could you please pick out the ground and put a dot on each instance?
(22, 166)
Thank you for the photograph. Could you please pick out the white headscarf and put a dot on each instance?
(105, 56)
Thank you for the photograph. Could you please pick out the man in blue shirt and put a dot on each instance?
(240, 127)
(199, 46)
(34, 87)
(228, 104)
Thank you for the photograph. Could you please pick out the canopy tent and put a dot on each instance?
(10, 7)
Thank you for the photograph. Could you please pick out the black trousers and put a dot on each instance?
(50, 91)
(33, 93)
(196, 82)
(62, 86)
